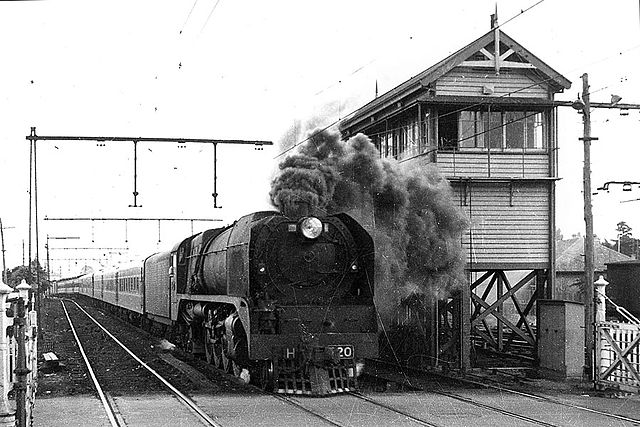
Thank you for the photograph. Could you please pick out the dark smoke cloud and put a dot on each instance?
(410, 213)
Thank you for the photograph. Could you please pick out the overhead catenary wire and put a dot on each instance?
(474, 105)
(188, 16)
(209, 16)
(481, 103)
(373, 60)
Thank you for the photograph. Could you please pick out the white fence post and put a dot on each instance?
(601, 301)
(603, 351)
(7, 416)
(23, 289)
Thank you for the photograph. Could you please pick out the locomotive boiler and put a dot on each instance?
(287, 302)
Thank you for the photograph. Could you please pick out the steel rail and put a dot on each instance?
(392, 409)
(96, 384)
(471, 401)
(550, 400)
(190, 404)
(495, 409)
(532, 396)
(290, 401)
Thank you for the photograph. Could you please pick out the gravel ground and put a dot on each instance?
(117, 372)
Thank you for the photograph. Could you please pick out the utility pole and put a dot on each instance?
(4, 264)
(588, 238)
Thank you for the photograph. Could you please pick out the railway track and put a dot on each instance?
(420, 401)
(344, 410)
(161, 408)
(560, 406)
(539, 397)
(370, 411)
(116, 415)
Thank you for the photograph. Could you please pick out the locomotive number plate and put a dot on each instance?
(343, 351)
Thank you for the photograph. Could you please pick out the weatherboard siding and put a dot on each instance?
(462, 81)
(507, 226)
(495, 164)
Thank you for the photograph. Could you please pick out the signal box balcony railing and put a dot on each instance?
(506, 158)
(483, 163)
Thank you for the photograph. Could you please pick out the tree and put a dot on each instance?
(626, 243)
(17, 274)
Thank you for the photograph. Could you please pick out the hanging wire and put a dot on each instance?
(188, 16)
(475, 105)
(373, 60)
(210, 14)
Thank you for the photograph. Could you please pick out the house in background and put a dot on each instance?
(569, 283)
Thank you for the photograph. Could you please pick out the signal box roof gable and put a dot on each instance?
(423, 80)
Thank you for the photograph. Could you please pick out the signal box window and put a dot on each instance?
(497, 130)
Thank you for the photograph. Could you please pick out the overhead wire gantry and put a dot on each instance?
(33, 138)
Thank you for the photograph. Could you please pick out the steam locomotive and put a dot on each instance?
(285, 302)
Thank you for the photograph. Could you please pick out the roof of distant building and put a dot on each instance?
(570, 255)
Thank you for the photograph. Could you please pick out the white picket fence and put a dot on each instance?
(617, 352)
(9, 298)
(618, 355)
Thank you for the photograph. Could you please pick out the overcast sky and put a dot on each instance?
(248, 70)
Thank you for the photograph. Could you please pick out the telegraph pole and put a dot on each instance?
(4, 265)
(588, 238)
(584, 106)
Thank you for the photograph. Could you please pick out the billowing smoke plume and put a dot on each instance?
(410, 213)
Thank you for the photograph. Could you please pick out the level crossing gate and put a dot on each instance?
(617, 358)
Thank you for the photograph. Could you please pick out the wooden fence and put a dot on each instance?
(618, 356)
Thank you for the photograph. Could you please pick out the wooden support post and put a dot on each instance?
(431, 325)
(588, 238)
(499, 309)
(4, 264)
(464, 310)
(539, 293)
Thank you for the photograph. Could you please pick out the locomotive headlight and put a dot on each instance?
(311, 227)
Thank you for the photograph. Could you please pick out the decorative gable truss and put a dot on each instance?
(486, 58)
